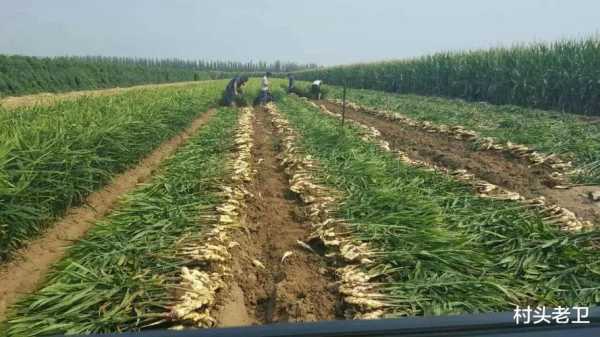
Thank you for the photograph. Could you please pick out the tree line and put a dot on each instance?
(27, 75)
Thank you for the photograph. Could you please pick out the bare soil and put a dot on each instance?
(27, 270)
(498, 168)
(295, 290)
(590, 119)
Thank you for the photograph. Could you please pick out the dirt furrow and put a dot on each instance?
(349, 256)
(495, 167)
(24, 273)
(276, 278)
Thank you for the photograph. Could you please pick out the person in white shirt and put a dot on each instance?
(264, 85)
(265, 95)
(316, 89)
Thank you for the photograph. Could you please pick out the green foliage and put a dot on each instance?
(569, 135)
(27, 75)
(445, 249)
(564, 75)
(122, 276)
(303, 89)
(52, 157)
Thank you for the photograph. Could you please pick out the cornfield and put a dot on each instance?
(562, 75)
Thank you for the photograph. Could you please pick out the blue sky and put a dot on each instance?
(322, 31)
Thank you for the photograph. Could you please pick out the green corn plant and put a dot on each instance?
(562, 75)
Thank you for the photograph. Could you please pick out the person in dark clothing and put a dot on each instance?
(291, 81)
(234, 90)
(395, 86)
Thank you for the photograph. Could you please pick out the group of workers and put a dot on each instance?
(233, 91)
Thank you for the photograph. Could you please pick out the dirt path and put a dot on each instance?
(495, 167)
(13, 102)
(24, 273)
(295, 290)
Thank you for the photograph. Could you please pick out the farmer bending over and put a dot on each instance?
(316, 89)
(234, 90)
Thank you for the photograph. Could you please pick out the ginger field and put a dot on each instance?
(165, 210)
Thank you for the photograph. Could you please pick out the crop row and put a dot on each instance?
(570, 136)
(52, 157)
(125, 274)
(439, 248)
